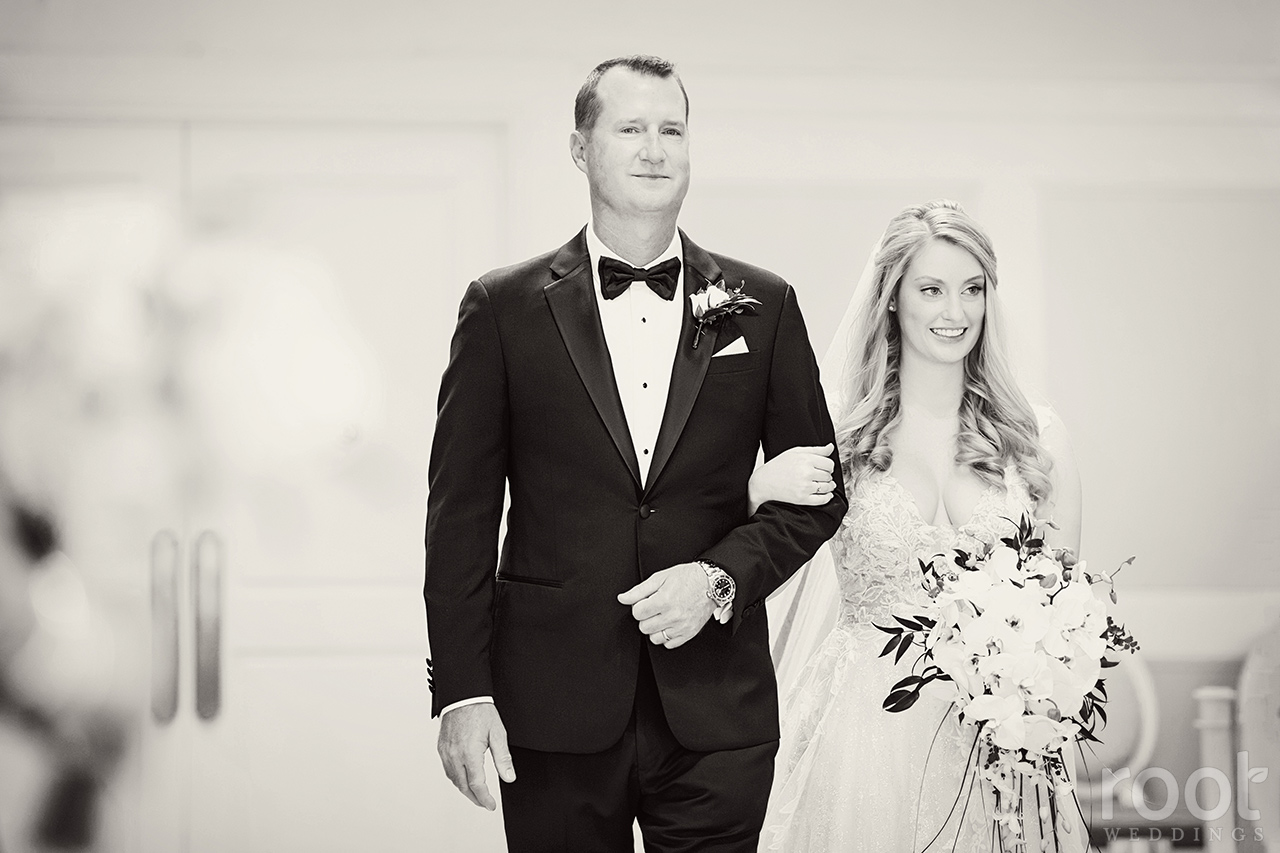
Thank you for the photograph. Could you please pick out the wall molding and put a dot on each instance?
(416, 89)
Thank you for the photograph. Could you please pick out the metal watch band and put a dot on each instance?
(722, 587)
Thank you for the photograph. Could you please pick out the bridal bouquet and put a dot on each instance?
(1017, 635)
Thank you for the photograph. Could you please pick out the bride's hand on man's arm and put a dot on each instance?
(800, 476)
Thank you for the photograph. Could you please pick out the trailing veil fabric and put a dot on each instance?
(803, 611)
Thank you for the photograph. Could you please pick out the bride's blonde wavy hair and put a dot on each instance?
(997, 423)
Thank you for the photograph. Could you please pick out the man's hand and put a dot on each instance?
(672, 605)
(465, 734)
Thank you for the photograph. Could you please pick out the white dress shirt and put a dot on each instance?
(642, 332)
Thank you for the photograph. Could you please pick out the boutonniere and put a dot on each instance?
(714, 302)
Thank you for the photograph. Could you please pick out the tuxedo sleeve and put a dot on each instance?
(762, 553)
(467, 480)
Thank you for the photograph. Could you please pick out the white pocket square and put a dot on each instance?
(738, 347)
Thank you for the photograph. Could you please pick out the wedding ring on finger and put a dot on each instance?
(665, 635)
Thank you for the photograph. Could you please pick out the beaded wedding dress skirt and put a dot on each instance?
(851, 776)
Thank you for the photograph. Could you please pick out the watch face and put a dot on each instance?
(721, 589)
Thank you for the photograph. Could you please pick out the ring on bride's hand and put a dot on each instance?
(665, 635)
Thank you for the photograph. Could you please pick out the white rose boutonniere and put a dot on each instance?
(714, 302)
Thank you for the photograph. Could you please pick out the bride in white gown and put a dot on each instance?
(940, 449)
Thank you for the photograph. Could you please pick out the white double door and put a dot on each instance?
(314, 731)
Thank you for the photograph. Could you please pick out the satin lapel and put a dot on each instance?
(572, 301)
(690, 365)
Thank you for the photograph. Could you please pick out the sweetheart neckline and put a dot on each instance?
(992, 490)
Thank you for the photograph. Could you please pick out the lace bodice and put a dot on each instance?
(850, 776)
(883, 536)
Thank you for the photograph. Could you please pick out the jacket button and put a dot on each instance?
(645, 510)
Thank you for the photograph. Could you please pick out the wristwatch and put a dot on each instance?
(722, 587)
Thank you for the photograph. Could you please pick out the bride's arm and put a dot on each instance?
(800, 476)
(1063, 506)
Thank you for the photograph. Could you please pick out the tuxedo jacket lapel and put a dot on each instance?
(691, 364)
(572, 300)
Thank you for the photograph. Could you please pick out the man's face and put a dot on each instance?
(637, 156)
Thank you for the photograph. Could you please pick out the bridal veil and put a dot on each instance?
(803, 610)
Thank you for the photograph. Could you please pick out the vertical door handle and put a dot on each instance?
(164, 626)
(207, 560)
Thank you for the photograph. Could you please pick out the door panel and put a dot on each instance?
(356, 245)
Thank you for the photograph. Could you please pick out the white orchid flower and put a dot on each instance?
(1076, 617)
(1002, 565)
(1014, 619)
(1044, 735)
(1025, 675)
(959, 584)
(997, 710)
(957, 661)
(1071, 681)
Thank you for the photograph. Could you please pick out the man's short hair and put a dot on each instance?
(587, 106)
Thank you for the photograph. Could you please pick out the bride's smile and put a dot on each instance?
(941, 303)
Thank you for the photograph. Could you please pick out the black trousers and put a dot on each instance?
(710, 802)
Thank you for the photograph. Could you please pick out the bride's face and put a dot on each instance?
(941, 304)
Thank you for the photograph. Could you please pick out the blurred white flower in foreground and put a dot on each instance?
(271, 372)
(142, 371)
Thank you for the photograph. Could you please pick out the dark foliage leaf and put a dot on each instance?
(910, 682)
(903, 647)
(900, 700)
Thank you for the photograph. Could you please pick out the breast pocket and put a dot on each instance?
(722, 365)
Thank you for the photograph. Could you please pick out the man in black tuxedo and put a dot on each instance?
(619, 644)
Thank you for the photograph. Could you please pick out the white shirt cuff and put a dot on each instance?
(476, 700)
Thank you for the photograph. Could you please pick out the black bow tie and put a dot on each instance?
(616, 276)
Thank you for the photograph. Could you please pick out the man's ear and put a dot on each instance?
(578, 150)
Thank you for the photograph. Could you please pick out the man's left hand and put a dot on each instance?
(672, 605)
